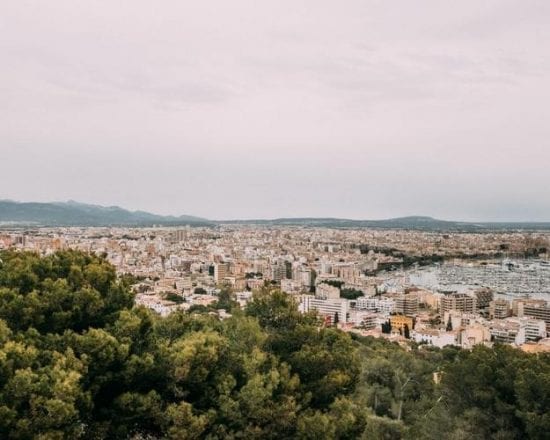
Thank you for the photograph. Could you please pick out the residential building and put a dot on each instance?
(333, 308)
(407, 304)
(457, 301)
(398, 322)
(499, 309)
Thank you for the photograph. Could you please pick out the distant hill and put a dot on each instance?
(80, 214)
(420, 223)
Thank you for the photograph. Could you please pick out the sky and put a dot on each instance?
(262, 109)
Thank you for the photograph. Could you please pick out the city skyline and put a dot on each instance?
(370, 110)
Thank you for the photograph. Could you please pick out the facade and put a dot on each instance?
(366, 320)
(499, 309)
(304, 276)
(380, 305)
(326, 291)
(535, 310)
(278, 271)
(457, 301)
(407, 304)
(328, 308)
(221, 270)
(436, 338)
(474, 334)
(398, 322)
(506, 331)
(535, 329)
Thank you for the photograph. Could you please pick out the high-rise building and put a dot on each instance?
(221, 270)
(278, 271)
(457, 301)
(499, 309)
(407, 304)
(537, 310)
(180, 235)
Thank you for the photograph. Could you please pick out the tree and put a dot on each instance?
(351, 293)
(386, 327)
(77, 360)
(449, 324)
(406, 332)
(225, 300)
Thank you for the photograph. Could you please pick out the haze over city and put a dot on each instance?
(367, 109)
(291, 220)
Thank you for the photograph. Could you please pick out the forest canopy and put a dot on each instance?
(79, 360)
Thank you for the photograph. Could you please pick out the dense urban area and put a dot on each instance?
(255, 331)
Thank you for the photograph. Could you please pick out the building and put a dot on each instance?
(538, 310)
(336, 309)
(326, 291)
(304, 276)
(535, 329)
(457, 301)
(278, 271)
(290, 286)
(366, 320)
(472, 335)
(436, 338)
(221, 270)
(407, 304)
(499, 309)
(398, 322)
(380, 305)
(505, 331)
(519, 303)
(179, 235)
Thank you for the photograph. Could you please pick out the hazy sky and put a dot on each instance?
(241, 109)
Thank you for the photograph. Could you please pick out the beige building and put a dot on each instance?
(474, 334)
(457, 301)
(499, 309)
(221, 270)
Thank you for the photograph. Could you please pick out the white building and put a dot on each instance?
(436, 338)
(380, 305)
(336, 307)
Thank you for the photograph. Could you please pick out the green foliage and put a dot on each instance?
(174, 297)
(351, 293)
(226, 300)
(77, 360)
(334, 283)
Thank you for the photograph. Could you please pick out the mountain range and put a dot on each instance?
(73, 213)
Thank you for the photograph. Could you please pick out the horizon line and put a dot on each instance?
(297, 217)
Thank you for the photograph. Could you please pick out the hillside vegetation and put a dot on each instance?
(77, 360)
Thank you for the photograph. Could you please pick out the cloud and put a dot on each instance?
(362, 109)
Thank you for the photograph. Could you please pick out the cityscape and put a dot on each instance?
(433, 288)
(275, 220)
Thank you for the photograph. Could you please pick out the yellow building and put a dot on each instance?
(398, 322)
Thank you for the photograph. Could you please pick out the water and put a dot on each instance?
(508, 278)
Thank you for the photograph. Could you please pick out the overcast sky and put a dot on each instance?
(259, 109)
